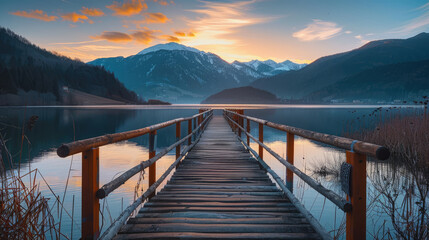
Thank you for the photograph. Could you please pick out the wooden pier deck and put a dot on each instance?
(218, 192)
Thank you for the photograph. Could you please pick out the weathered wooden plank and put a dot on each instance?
(219, 192)
(213, 236)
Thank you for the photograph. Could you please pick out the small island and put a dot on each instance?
(242, 95)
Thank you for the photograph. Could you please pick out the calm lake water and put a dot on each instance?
(57, 125)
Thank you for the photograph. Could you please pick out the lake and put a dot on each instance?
(56, 125)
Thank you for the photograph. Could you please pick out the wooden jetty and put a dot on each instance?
(219, 191)
(221, 188)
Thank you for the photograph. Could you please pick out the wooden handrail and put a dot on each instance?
(117, 182)
(313, 221)
(355, 206)
(68, 149)
(373, 150)
(119, 222)
(90, 165)
(342, 203)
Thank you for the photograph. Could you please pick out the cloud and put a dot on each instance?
(318, 30)
(164, 2)
(170, 38)
(128, 8)
(36, 14)
(75, 17)
(218, 21)
(184, 34)
(144, 36)
(416, 23)
(117, 37)
(180, 34)
(93, 12)
(155, 18)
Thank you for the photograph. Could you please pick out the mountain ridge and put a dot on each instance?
(334, 68)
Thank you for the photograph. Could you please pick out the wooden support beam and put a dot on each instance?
(189, 131)
(152, 153)
(178, 148)
(90, 204)
(289, 157)
(248, 130)
(356, 219)
(261, 139)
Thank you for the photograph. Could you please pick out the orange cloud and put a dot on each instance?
(128, 8)
(144, 36)
(155, 18)
(93, 12)
(173, 39)
(36, 14)
(74, 17)
(180, 34)
(184, 34)
(117, 37)
(163, 2)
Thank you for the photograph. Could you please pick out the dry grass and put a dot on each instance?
(24, 212)
(402, 189)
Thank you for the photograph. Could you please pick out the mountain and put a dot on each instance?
(31, 75)
(405, 81)
(330, 70)
(242, 95)
(258, 69)
(174, 73)
(177, 73)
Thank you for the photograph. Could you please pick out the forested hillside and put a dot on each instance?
(26, 68)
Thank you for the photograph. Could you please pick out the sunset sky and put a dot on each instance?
(301, 31)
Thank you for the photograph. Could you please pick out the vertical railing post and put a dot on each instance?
(152, 153)
(190, 131)
(90, 203)
(261, 139)
(193, 128)
(248, 130)
(289, 157)
(178, 148)
(356, 219)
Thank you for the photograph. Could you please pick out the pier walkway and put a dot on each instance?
(219, 191)
(222, 188)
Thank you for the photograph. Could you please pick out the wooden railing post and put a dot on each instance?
(152, 153)
(356, 219)
(189, 131)
(90, 203)
(248, 130)
(289, 157)
(178, 148)
(193, 128)
(261, 139)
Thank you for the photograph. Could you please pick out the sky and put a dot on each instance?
(297, 30)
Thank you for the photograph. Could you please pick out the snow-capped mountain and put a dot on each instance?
(170, 47)
(180, 74)
(175, 73)
(258, 69)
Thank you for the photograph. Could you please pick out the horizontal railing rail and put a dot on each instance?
(120, 221)
(91, 193)
(112, 185)
(342, 203)
(354, 182)
(72, 148)
(369, 149)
